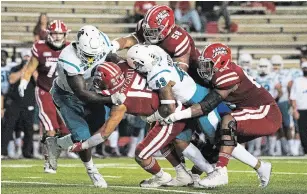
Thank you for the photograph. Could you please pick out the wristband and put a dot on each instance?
(167, 101)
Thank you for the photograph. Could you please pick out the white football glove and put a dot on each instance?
(22, 87)
(114, 46)
(118, 98)
(169, 120)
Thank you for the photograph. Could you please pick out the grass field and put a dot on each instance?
(123, 176)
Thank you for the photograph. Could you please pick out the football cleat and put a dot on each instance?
(97, 178)
(217, 178)
(156, 181)
(53, 150)
(196, 179)
(183, 178)
(48, 169)
(264, 174)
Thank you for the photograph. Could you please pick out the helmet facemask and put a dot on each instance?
(87, 58)
(205, 68)
(153, 35)
(57, 39)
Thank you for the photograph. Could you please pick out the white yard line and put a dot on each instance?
(123, 166)
(124, 187)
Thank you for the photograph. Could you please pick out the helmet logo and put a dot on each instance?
(161, 16)
(81, 32)
(218, 51)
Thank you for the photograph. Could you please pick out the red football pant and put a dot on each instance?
(158, 137)
(47, 112)
(253, 122)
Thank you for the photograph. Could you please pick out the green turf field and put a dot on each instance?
(123, 176)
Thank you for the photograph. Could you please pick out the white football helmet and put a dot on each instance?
(92, 44)
(143, 57)
(245, 61)
(277, 62)
(264, 67)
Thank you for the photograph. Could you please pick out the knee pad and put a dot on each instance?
(230, 131)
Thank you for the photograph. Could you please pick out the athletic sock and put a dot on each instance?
(223, 159)
(241, 154)
(89, 165)
(154, 168)
(193, 154)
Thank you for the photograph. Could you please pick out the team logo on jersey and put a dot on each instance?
(47, 54)
(161, 16)
(219, 50)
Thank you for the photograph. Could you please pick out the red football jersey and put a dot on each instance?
(47, 58)
(140, 100)
(249, 92)
(176, 44)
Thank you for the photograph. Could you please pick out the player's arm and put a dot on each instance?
(167, 101)
(209, 103)
(78, 86)
(183, 61)
(124, 42)
(116, 115)
(30, 69)
(27, 72)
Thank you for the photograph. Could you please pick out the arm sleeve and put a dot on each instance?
(159, 80)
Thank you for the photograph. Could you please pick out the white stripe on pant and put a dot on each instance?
(42, 115)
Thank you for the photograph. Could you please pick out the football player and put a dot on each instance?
(158, 27)
(45, 54)
(170, 81)
(269, 81)
(71, 95)
(246, 62)
(254, 107)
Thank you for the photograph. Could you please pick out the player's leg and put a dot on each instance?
(245, 123)
(183, 178)
(157, 138)
(48, 118)
(72, 111)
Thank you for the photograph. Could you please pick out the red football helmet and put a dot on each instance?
(108, 78)
(213, 58)
(57, 33)
(158, 23)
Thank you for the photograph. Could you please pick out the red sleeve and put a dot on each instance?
(225, 79)
(139, 32)
(35, 49)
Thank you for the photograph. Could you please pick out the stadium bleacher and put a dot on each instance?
(261, 35)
